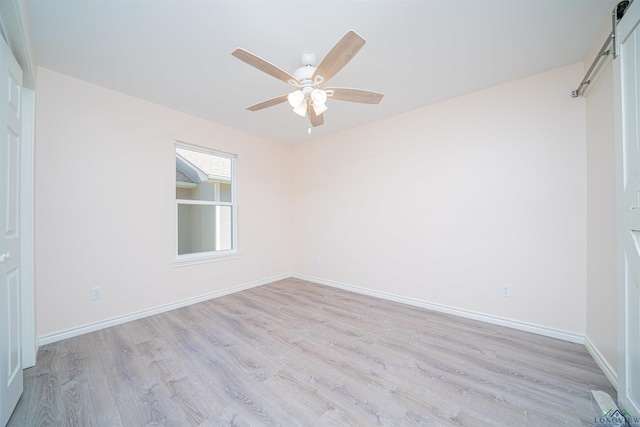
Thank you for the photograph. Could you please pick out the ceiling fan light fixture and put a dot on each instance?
(319, 108)
(295, 98)
(301, 109)
(319, 97)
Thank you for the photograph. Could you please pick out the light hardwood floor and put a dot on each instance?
(294, 353)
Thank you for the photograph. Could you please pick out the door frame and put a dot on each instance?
(27, 262)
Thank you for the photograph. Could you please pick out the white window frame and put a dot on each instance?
(209, 256)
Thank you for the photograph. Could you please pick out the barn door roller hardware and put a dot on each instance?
(616, 16)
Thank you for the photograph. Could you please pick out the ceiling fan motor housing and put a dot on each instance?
(305, 76)
(305, 73)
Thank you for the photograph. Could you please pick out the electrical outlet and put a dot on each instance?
(505, 290)
(263, 263)
(318, 262)
(96, 293)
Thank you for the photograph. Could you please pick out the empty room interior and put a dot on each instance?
(319, 212)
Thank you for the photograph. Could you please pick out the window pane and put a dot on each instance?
(225, 192)
(202, 176)
(225, 230)
(204, 228)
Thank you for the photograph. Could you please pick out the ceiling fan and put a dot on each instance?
(310, 96)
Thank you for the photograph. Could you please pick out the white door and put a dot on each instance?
(628, 75)
(10, 298)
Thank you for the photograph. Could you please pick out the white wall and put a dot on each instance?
(442, 204)
(105, 205)
(446, 203)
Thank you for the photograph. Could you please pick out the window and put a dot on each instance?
(205, 204)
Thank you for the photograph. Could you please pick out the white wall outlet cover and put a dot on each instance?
(96, 293)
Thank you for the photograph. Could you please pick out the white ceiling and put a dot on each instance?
(177, 53)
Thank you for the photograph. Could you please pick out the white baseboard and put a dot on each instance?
(496, 320)
(523, 326)
(602, 362)
(73, 332)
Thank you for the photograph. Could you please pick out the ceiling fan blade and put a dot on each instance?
(268, 103)
(338, 56)
(354, 95)
(265, 66)
(316, 120)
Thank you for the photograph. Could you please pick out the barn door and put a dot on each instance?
(628, 74)
(10, 285)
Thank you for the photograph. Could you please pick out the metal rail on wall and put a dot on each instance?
(616, 15)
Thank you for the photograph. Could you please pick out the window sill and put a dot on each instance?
(185, 260)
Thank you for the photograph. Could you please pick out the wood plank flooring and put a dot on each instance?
(294, 353)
